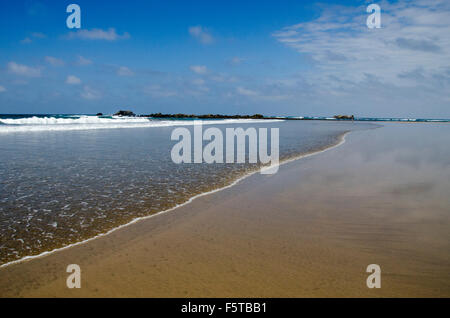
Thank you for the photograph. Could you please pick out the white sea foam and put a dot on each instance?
(71, 120)
(29, 124)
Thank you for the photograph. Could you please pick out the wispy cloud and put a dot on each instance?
(2, 89)
(73, 80)
(158, 91)
(401, 69)
(26, 40)
(38, 35)
(223, 78)
(235, 60)
(23, 70)
(98, 34)
(418, 45)
(199, 69)
(54, 61)
(198, 81)
(90, 93)
(34, 35)
(268, 96)
(199, 86)
(246, 92)
(83, 61)
(124, 71)
(340, 44)
(201, 34)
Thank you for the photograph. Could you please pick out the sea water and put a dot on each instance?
(68, 178)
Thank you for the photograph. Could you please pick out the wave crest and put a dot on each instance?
(28, 124)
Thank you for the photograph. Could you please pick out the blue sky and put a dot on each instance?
(231, 57)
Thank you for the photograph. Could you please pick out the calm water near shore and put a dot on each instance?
(62, 187)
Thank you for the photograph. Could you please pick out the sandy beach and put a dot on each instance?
(308, 231)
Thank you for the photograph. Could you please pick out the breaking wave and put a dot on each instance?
(85, 122)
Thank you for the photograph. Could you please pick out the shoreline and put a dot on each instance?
(341, 141)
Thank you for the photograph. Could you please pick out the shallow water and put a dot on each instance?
(62, 187)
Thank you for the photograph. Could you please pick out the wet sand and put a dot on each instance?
(308, 231)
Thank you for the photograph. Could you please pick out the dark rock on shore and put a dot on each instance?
(127, 113)
(206, 116)
(344, 117)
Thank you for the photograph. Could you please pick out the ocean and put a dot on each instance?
(65, 179)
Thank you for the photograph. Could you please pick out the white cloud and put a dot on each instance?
(236, 60)
(34, 35)
(401, 69)
(285, 33)
(339, 43)
(199, 69)
(73, 80)
(97, 34)
(223, 78)
(268, 96)
(246, 92)
(38, 35)
(199, 86)
(198, 81)
(23, 70)
(201, 34)
(158, 91)
(90, 93)
(2, 89)
(124, 71)
(83, 61)
(54, 61)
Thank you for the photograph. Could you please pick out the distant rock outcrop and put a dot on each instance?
(127, 113)
(345, 117)
(99, 114)
(206, 116)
